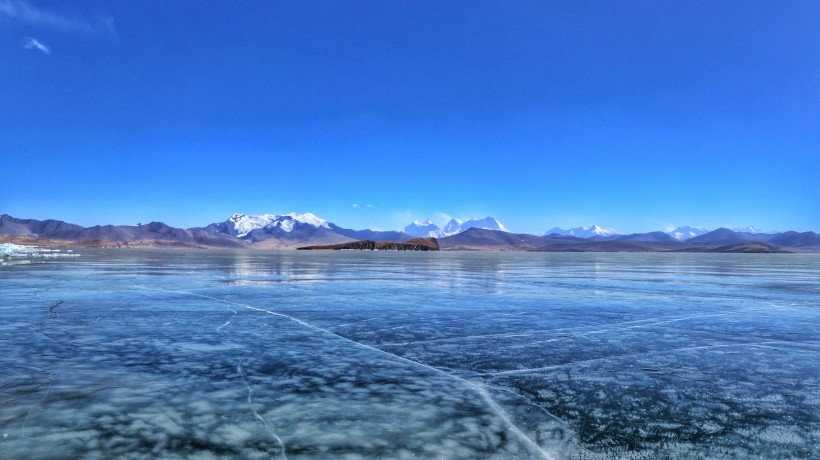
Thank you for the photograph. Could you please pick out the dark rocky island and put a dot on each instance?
(417, 244)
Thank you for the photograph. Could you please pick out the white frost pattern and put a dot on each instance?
(256, 415)
(480, 390)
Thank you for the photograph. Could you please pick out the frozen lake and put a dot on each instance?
(217, 354)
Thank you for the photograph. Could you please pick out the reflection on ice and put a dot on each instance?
(209, 354)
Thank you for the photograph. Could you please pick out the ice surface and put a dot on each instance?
(212, 354)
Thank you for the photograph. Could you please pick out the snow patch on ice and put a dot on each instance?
(17, 253)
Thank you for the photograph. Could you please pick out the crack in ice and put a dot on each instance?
(38, 403)
(218, 329)
(493, 405)
(52, 310)
(253, 409)
(563, 333)
(107, 313)
(586, 361)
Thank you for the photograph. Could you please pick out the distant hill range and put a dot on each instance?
(275, 231)
(264, 231)
(428, 229)
(154, 234)
(720, 240)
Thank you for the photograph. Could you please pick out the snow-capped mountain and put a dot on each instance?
(240, 225)
(685, 232)
(293, 230)
(456, 226)
(748, 229)
(452, 227)
(583, 232)
(423, 229)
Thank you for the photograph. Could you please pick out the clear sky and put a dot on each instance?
(631, 114)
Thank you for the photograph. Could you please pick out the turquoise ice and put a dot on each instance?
(284, 354)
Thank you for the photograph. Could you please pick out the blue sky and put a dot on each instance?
(634, 115)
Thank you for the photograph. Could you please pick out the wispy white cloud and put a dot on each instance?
(355, 205)
(23, 11)
(34, 44)
(369, 205)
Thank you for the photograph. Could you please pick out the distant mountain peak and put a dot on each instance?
(685, 232)
(748, 229)
(241, 224)
(583, 232)
(455, 226)
(424, 229)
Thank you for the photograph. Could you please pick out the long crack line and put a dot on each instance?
(253, 409)
(494, 406)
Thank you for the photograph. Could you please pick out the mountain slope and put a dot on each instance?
(276, 238)
(612, 245)
(793, 239)
(10, 226)
(297, 230)
(53, 232)
(269, 231)
(483, 239)
(726, 237)
(651, 236)
(240, 225)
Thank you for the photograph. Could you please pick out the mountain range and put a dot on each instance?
(274, 231)
(582, 232)
(453, 227)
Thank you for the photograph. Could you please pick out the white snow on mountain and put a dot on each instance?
(423, 229)
(456, 226)
(583, 232)
(685, 232)
(453, 226)
(748, 229)
(242, 224)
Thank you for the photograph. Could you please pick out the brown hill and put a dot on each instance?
(752, 247)
(612, 246)
(791, 239)
(58, 233)
(748, 248)
(480, 239)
